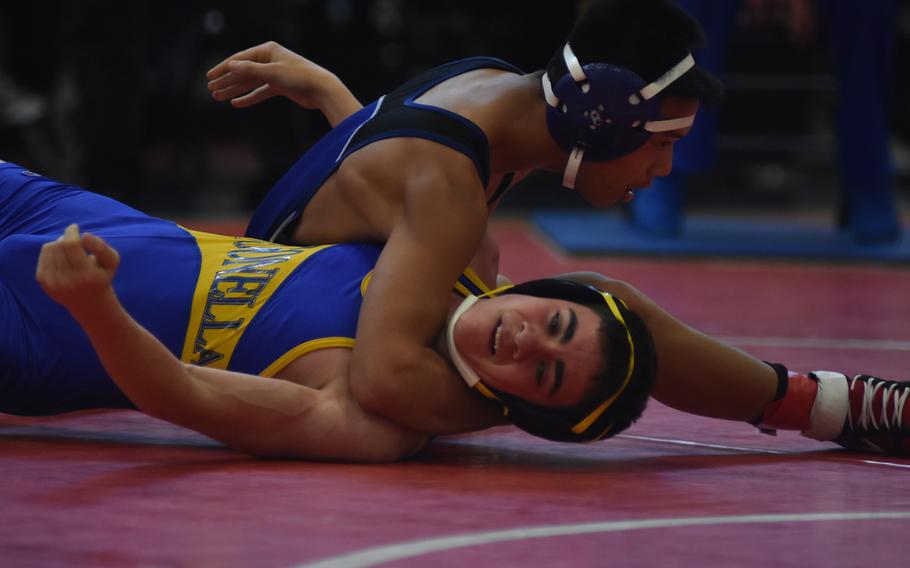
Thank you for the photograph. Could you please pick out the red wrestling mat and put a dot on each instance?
(120, 489)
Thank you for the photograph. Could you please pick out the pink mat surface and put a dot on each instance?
(116, 488)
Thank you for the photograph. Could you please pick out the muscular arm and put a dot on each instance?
(268, 417)
(394, 370)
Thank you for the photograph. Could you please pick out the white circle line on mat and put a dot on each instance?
(819, 343)
(392, 552)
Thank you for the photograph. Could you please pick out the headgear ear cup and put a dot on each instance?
(600, 111)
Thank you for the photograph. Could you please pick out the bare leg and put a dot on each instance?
(700, 375)
(696, 373)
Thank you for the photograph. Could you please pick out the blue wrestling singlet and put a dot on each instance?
(392, 116)
(228, 302)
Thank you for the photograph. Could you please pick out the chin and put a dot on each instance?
(604, 200)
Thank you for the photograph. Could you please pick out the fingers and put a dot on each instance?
(105, 255)
(261, 53)
(45, 273)
(237, 73)
(264, 92)
(71, 233)
(53, 271)
(59, 259)
(228, 92)
(72, 255)
(222, 68)
(243, 80)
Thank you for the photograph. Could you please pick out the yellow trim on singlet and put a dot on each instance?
(237, 276)
(365, 283)
(303, 349)
(459, 287)
(462, 289)
(476, 280)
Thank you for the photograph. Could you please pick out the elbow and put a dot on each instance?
(377, 387)
(402, 446)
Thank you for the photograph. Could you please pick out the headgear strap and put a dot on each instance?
(574, 67)
(593, 416)
(466, 372)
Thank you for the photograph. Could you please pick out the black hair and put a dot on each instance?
(647, 37)
(555, 423)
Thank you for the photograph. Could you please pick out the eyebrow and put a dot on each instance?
(570, 329)
(567, 336)
(557, 377)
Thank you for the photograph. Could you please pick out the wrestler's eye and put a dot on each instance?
(541, 368)
(554, 324)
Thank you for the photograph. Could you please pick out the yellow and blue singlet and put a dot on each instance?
(225, 302)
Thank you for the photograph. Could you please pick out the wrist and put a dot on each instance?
(334, 99)
(94, 308)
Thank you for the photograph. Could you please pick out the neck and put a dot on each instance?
(465, 370)
(520, 140)
(440, 344)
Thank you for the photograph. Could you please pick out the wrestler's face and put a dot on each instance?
(544, 351)
(604, 183)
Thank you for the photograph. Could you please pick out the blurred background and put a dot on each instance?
(112, 96)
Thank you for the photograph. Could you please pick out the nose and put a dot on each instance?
(663, 165)
(531, 342)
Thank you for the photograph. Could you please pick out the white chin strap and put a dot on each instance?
(466, 372)
(572, 166)
(648, 92)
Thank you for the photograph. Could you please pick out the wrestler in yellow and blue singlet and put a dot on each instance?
(229, 302)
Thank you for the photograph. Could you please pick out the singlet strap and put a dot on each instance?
(400, 116)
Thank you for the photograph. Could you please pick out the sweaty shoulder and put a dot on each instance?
(375, 185)
(390, 169)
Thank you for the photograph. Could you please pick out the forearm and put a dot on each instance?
(394, 370)
(262, 416)
(427, 396)
(147, 373)
(336, 101)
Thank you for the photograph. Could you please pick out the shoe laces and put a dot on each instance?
(894, 396)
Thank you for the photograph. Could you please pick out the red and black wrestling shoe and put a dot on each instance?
(878, 417)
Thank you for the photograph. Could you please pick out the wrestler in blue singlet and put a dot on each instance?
(227, 302)
(394, 115)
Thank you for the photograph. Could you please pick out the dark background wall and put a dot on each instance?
(112, 95)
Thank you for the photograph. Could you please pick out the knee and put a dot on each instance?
(632, 296)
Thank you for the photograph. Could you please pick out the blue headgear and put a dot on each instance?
(591, 421)
(600, 111)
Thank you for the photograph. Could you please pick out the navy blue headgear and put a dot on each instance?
(600, 111)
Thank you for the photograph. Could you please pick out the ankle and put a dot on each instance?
(815, 405)
(793, 410)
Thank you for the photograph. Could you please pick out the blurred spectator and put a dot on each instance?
(112, 95)
(863, 44)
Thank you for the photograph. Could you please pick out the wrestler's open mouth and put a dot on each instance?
(494, 337)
